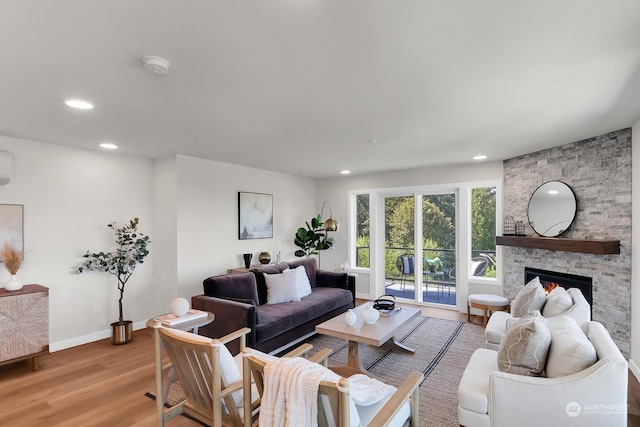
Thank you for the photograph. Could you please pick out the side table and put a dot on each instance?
(191, 325)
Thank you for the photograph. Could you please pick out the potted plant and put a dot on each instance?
(131, 251)
(434, 264)
(312, 239)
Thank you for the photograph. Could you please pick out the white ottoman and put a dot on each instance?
(486, 303)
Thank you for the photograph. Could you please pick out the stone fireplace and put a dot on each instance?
(599, 172)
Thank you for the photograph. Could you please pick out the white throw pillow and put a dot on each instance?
(558, 301)
(281, 287)
(530, 298)
(302, 281)
(570, 351)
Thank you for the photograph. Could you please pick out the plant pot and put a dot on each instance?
(121, 333)
(433, 268)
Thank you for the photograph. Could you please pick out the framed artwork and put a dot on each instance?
(255, 216)
(11, 226)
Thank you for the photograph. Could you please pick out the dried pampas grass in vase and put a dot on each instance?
(12, 259)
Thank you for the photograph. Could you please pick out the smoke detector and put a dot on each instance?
(155, 64)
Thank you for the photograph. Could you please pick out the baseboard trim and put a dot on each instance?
(86, 339)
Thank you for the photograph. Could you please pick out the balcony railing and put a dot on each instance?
(447, 256)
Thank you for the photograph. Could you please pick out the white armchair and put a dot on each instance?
(593, 397)
(580, 311)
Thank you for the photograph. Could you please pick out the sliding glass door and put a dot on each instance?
(438, 248)
(419, 249)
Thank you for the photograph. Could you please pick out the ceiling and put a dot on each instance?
(310, 87)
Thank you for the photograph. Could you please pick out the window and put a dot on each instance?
(483, 232)
(363, 238)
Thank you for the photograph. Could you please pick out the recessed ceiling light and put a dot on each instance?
(108, 146)
(80, 104)
(479, 157)
(554, 192)
(345, 172)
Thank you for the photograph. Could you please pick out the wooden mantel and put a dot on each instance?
(587, 246)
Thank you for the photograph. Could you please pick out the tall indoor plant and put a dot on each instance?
(130, 251)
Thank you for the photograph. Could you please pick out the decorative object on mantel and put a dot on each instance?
(131, 251)
(264, 257)
(247, 260)
(520, 228)
(12, 259)
(509, 226)
(316, 237)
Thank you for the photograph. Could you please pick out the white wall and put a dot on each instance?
(207, 217)
(69, 197)
(165, 236)
(188, 206)
(634, 355)
(335, 190)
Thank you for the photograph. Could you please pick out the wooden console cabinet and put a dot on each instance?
(24, 324)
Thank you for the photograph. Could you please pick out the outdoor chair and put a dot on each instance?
(336, 407)
(209, 375)
(478, 267)
(405, 265)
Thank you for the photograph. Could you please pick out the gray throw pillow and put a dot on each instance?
(524, 348)
(530, 298)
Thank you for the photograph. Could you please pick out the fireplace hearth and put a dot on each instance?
(552, 279)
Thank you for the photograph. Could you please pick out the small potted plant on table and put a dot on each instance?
(434, 264)
(131, 251)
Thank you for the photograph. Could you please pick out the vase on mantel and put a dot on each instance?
(14, 284)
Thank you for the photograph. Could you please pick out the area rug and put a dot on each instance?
(443, 348)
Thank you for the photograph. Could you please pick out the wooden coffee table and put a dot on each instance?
(361, 334)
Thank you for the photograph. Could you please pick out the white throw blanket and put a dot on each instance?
(291, 392)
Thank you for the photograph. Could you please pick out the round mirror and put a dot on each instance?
(552, 208)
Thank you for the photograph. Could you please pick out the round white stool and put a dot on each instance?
(486, 302)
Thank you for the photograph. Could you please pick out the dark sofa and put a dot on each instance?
(239, 300)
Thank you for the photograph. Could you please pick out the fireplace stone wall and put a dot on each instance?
(599, 172)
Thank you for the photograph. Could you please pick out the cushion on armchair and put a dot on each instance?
(524, 348)
(558, 301)
(530, 298)
(570, 350)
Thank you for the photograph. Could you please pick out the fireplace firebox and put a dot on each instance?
(552, 279)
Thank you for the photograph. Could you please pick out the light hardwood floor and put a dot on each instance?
(99, 384)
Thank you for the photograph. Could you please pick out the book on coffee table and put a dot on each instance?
(171, 319)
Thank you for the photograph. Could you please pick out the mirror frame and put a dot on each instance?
(544, 233)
